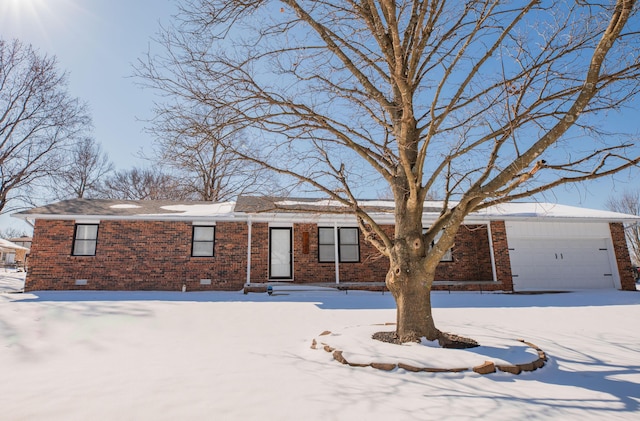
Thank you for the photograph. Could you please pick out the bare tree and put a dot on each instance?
(197, 145)
(11, 232)
(38, 118)
(142, 184)
(480, 102)
(85, 167)
(629, 202)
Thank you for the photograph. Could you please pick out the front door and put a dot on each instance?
(280, 261)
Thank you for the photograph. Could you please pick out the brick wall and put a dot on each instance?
(259, 252)
(621, 250)
(471, 258)
(154, 255)
(501, 255)
(371, 268)
(136, 255)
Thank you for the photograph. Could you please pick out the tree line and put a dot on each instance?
(47, 151)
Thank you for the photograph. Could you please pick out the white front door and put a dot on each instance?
(280, 259)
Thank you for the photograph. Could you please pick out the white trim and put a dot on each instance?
(181, 218)
(249, 233)
(382, 218)
(336, 251)
(282, 224)
(87, 221)
(492, 254)
(203, 223)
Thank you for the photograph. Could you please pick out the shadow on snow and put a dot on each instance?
(352, 300)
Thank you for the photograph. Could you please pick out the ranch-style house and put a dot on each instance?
(197, 246)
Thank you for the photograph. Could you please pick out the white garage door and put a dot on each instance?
(560, 263)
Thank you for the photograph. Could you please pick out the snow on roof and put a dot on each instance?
(298, 209)
(222, 208)
(320, 202)
(6, 244)
(128, 209)
(125, 206)
(531, 210)
(513, 210)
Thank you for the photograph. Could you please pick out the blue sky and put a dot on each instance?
(97, 41)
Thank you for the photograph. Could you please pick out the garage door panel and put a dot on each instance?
(560, 263)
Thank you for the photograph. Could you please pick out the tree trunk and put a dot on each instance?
(411, 271)
(410, 277)
(413, 301)
(412, 292)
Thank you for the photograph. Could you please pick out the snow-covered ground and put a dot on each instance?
(229, 356)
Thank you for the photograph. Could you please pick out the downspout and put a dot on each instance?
(491, 253)
(336, 254)
(249, 250)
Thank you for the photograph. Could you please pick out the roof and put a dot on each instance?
(535, 210)
(16, 239)
(261, 204)
(296, 210)
(8, 245)
(514, 210)
(127, 209)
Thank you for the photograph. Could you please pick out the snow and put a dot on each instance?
(322, 202)
(551, 210)
(125, 206)
(6, 244)
(78, 355)
(221, 208)
(511, 210)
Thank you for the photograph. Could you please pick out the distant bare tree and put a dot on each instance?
(629, 202)
(11, 232)
(479, 102)
(38, 119)
(142, 184)
(198, 147)
(85, 167)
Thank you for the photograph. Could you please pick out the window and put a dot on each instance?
(203, 240)
(326, 245)
(448, 255)
(348, 239)
(85, 239)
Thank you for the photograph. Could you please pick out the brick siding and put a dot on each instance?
(155, 255)
(501, 255)
(623, 260)
(136, 255)
(471, 258)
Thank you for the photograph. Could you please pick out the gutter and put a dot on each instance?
(381, 218)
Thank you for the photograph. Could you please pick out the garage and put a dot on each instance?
(561, 256)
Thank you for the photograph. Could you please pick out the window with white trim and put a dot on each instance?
(203, 240)
(448, 255)
(85, 239)
(348, 241)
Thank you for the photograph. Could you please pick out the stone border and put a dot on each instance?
(487, 367)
